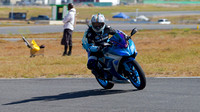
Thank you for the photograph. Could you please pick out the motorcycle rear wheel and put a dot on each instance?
(137, 77)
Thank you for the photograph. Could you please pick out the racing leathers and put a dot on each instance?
(94, 39)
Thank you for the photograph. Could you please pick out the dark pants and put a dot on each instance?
(67, 37)
(67, 41)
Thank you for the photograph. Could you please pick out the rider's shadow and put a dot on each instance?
(72, 95)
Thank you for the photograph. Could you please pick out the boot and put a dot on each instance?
(70, 51)
(65, 51)
(64, 54)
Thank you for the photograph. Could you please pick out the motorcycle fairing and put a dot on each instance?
(128, 51)
(112, 61)
(115, 60)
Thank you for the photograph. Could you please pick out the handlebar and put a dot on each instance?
(105, 44)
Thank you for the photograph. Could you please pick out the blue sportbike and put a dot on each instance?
(118, 62)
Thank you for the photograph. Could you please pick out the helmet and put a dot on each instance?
(98, 22)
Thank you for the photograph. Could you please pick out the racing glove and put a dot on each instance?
(94, 48)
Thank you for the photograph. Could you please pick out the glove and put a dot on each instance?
(94, 48)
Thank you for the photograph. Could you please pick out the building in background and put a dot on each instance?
(113, 2)
(33, 2)
(59, 2)
(58, 12)
(53, 1)
(95, 2)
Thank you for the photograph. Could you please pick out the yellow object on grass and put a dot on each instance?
(35, 47)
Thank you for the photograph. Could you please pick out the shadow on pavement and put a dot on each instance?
(72, 95)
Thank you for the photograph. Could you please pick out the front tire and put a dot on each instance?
(106, 84)
(137, 77)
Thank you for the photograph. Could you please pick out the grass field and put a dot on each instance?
(161, 53)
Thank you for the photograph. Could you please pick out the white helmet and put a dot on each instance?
(98, 22)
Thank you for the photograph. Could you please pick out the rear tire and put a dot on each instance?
(137, 78)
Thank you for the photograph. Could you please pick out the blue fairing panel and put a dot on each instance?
(116, 50)
(114, 72)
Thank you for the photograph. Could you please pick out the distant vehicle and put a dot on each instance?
(142, 18)
(133, 20)
(164, 21)
(64, 2)
(23, 3)
(40, 17)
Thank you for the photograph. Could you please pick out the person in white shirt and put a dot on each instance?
(69, 21)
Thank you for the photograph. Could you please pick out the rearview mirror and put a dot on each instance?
(87, 23)
(133, 31)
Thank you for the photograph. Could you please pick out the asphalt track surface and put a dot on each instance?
(86, 95)
(82, 28)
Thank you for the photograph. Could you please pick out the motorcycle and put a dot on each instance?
(117, 63)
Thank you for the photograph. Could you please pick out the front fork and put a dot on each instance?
(104, 70)
(129, 68)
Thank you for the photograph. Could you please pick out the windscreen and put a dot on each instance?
(119, 39)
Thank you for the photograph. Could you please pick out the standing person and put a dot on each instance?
(69, 21)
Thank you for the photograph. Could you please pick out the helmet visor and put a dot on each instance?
(97, 25)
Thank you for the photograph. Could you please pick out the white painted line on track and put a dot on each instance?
(39, 78)
(177, 77)
(92, 78)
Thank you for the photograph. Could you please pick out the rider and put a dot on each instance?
(97, 32)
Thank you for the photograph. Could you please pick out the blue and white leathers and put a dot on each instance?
(119, 61)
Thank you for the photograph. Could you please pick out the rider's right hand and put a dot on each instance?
(94, 48)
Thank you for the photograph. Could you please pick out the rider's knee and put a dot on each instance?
(92, 62)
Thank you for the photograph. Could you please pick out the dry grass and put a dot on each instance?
(169, 53)
(15, 61)
(30, 10)
(162, 53)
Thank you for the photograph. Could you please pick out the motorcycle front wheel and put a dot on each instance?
(137, 77)
(105, 83)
